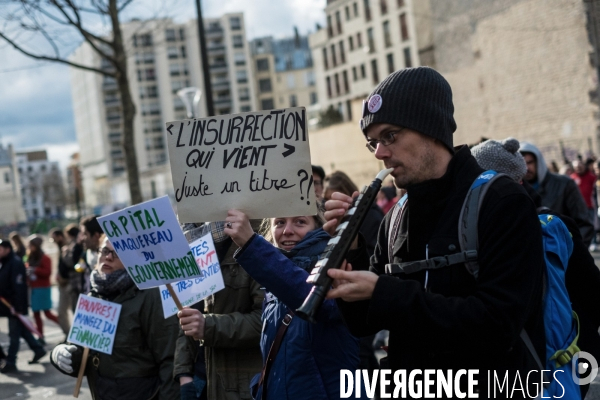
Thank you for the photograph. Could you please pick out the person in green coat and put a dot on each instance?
(230, 326)
(141, 363)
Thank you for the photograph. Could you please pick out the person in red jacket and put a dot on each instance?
(39, 269)
(585, 180)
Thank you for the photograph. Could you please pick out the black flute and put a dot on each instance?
(334, 254)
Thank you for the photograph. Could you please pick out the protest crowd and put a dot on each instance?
(468, 259)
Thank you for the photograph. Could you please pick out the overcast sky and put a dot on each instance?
(35, 97)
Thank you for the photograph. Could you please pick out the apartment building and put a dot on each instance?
(41, 183)
(163, 57)
(10, 188)
(363, 42)
(283, 72)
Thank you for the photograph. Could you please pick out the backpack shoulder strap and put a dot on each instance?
(395, 219)
(469, 217)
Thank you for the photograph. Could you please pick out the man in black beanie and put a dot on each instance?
(443, 317)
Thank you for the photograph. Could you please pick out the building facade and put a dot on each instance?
(41, 184)
(163, 57)
(363, 42)
(10, 188)
(521, 68)
(283, 72)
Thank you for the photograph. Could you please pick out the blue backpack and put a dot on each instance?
(560, 321)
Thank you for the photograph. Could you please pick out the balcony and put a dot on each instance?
(220, 85)
(223, 101)
(218, 67)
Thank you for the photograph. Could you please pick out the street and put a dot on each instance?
(43, 381)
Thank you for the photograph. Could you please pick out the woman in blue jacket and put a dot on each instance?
(310, 357)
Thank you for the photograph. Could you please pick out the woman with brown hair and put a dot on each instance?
(39, 269)
(18, 244)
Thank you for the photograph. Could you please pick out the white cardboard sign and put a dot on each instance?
(149, 241)
(95, 323)
(193, 290)
(256, 162)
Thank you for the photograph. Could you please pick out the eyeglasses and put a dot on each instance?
(105, 251)
(385, 139)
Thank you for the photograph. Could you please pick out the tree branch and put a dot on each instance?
(77, 24)
(124, 5)
(55, 59)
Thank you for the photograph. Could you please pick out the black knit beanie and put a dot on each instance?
(416, 98)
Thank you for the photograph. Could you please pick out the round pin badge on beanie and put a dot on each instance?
(374, 103)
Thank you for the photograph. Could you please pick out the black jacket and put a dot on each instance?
(460, 322)
(13, 284)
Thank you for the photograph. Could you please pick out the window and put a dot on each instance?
(174, 70)
(245, 109)
(329, 27)
(244, 94)
(328, 81)
(342, 52)
(239, 58)
(333, 57)
(262, 64)
(264, 85)
(313, 98)
(363, 71)
(338, 22)
(183, 53)
(176, 85)
(336, 80)
(309, 78)
(267, 104)
(6, 177)
(354, 74)
(146, 40)
(400, 3)
(238, 41)
(293, 100)
(383, 6)
(325, 62)
(390, 63)
(150, 76)
(371, 40)
(151, 92)
(172, 52)
(170, 35)
(236, 23)
(355, 8)
(291, 81)
(345, 80)
(351, 43)
(359, 40)
(387, 37)
(181, 34)
(148, 57)
(407, 58)
(242, 76)
(375, 72)
(347, 10)
(367, 10)
(403, 27)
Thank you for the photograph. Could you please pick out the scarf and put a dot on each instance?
(306, 253)
(108, 285)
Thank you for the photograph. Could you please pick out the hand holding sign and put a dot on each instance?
(192, 323)
(258, 162)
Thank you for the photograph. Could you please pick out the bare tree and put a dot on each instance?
(57, 21)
